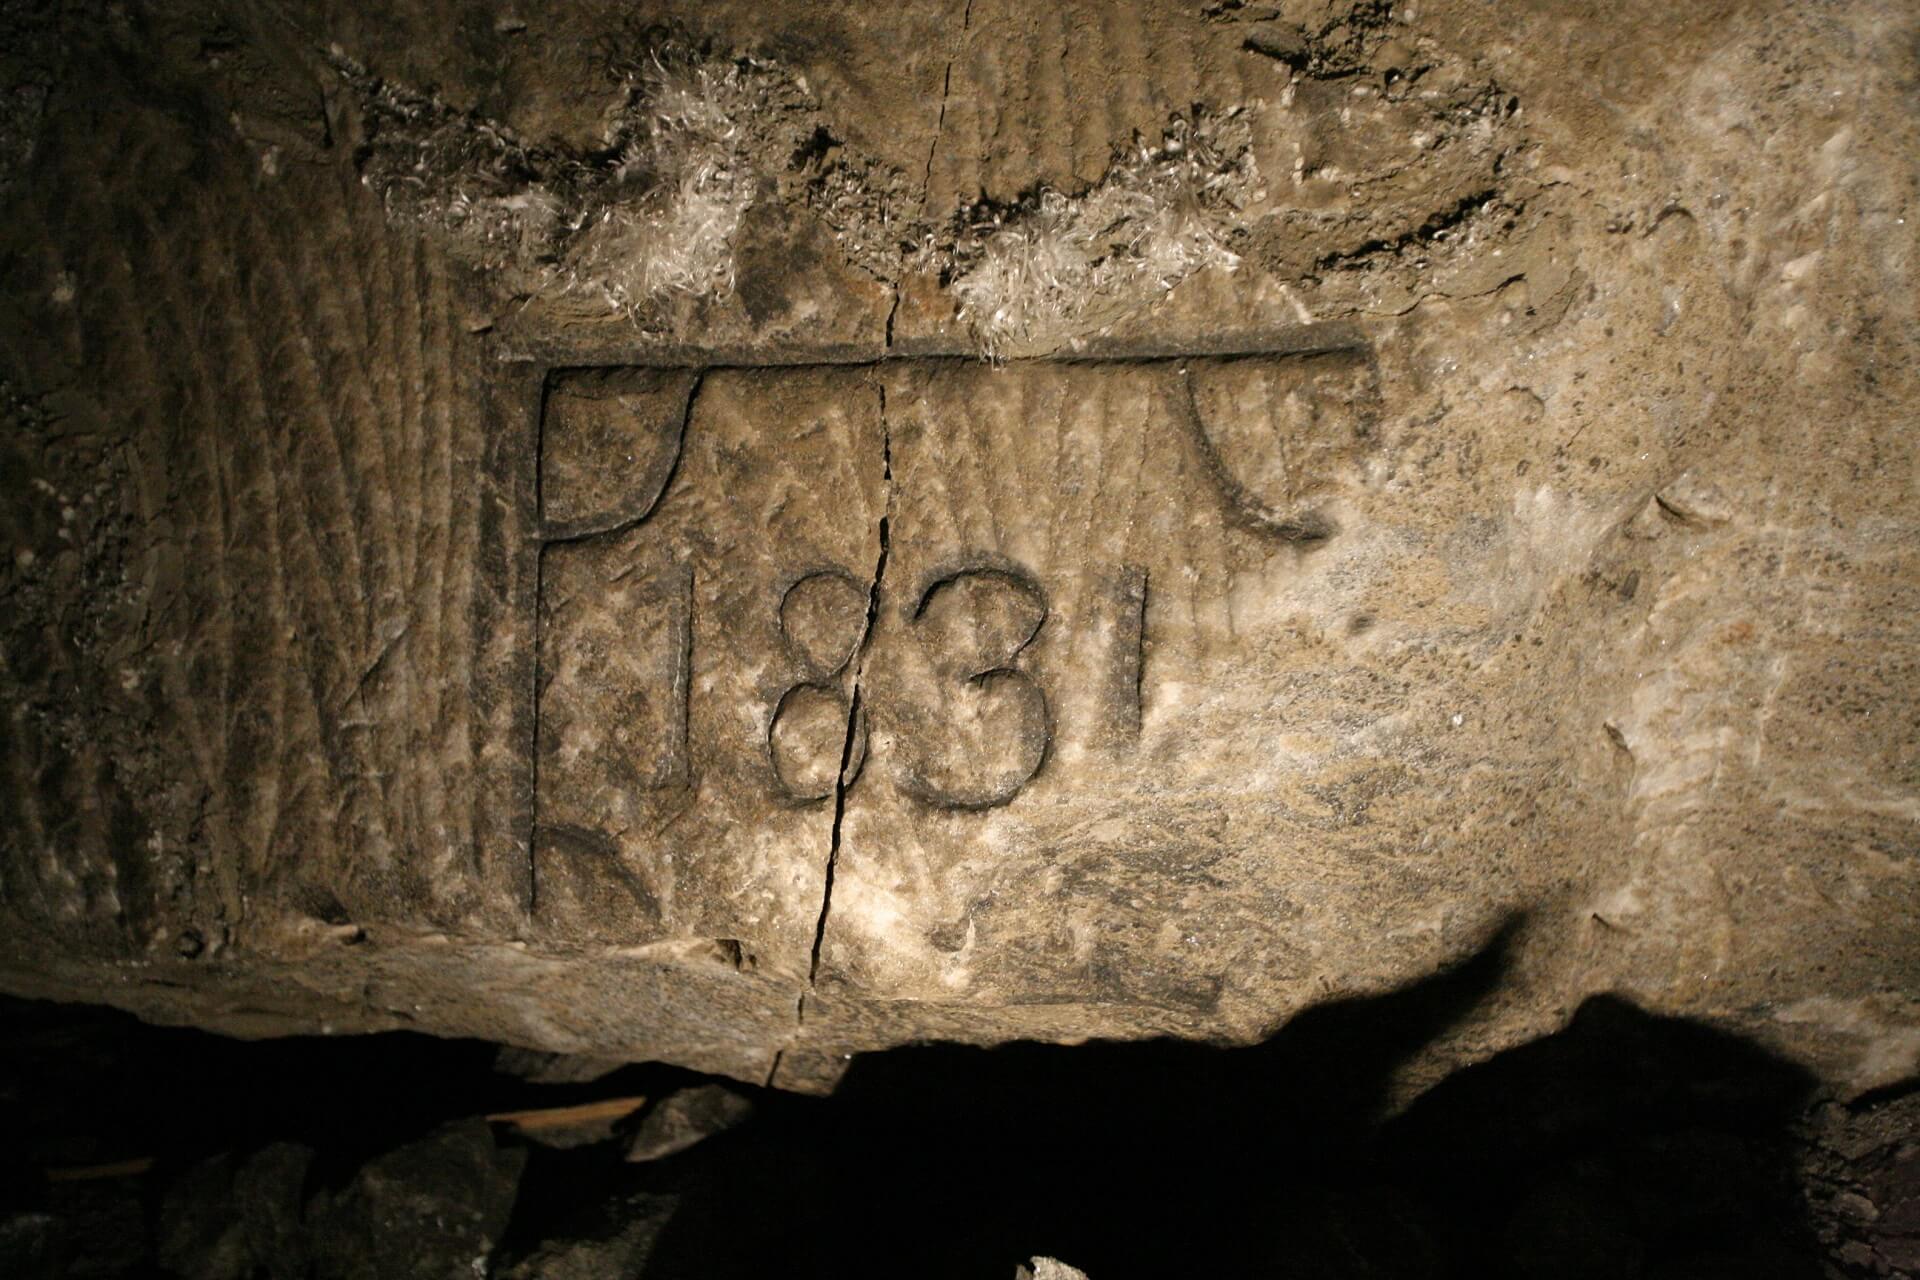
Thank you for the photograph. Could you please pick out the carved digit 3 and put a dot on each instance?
(822, 618)
(973, 622)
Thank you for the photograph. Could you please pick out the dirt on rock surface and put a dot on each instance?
(743, 535)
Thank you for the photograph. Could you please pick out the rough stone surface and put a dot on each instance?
(1049, 1269)
(30, 1244)
(685, 1118)
(238, 1218)
(1474, 488)
(1861, 1169)
(604, 1242)
(433, 1208)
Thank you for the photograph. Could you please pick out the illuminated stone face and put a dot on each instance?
(1441, 463)
(1043, 686)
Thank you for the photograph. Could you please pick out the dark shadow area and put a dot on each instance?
(86, 1092)
(1155, 1158)
(1626, 1146)
(83, 1085)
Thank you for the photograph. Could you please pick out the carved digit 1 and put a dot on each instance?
(986, 668)
(1126, 589)
(822, 618)
(677, 770)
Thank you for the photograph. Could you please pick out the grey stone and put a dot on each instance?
(612, 1242)
(238, 1217)
(30, 1245)
(553, 1068)
(686, 1117)
(433, 1209)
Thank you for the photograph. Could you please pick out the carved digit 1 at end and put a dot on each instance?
(1127, 593)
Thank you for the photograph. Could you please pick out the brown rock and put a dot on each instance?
(1405, 503)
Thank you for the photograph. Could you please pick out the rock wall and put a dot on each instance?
(740, 536)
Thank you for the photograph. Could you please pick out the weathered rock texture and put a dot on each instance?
(509, 530)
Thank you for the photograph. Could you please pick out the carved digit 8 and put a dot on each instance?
(823, 619)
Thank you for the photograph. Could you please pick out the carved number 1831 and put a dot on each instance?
(975, 727)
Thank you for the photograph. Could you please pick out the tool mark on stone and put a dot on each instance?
(813, 607)
(680, 767)
(675, 768)
(603, 852)
(533, 693)
(651, 737)
(373, 668)
(1311, 339)
(645, 498)
(991, 567)
(795, 738)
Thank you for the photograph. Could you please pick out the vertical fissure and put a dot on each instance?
(940, 121)
(539, 643)
(939, 127)
(841, 780)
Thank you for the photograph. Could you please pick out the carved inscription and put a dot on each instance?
(975, 726)
(616, 650)
(609, 442)
(1126, 668)
(1276, 433)
(694, 682)
(618, 680)
(973, 620)
(1075, 558)
(972, 727)
(823, 618)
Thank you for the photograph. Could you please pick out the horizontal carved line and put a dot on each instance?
(1296, 340)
